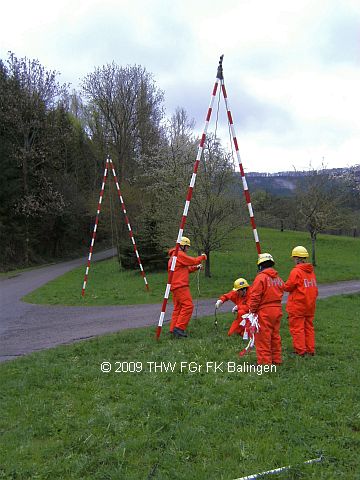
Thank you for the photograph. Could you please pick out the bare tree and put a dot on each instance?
(125, 108)
(320, 206)
(216, 210)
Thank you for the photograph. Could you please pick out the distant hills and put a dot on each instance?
(285, 183)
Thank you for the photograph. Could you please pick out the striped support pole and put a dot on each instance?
(243, 178)
(95, 227)
(187, 204)
(127, 222)
(278, 470)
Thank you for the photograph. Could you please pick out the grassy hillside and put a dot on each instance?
(109, 286)
(62, 418)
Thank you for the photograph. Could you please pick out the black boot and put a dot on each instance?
(178, 333)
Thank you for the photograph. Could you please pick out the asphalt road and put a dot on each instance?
(25, 328)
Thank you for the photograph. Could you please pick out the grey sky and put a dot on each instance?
(292, 69)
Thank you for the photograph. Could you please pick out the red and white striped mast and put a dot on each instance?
(243, 178)
(109, 165)
(131, 234)
(219, 79)
(95, 227)
(187, 204)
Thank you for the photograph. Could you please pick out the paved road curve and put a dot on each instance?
(25, 327)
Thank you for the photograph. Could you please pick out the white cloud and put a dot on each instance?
(291, 68)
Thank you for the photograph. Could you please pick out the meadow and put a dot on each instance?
(63, 418)
(109, 285)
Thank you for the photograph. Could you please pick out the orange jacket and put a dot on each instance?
(184, 265)
(241, 302)
(266, 290)
(303, 290)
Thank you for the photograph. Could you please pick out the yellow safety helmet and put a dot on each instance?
(185, 241)
(300, 252)
(240, 283)
(265, 257)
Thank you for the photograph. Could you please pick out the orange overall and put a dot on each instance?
(265, 300)
(183, 305)
(301, 306)
(243, 307)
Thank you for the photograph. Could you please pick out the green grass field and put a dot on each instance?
(62, 418)
(109, 286)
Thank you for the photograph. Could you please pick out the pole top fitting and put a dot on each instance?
(220, 75)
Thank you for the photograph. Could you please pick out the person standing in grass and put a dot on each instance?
(265, 301)
(301, 304)
(240, 296)
(183, 305)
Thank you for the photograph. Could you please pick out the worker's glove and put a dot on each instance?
(199, 267)
(235, 309)
(204, 256)
(218, 304)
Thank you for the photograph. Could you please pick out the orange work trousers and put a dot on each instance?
(236, 327)
(303, 333)
(267, 339)
(183, 308)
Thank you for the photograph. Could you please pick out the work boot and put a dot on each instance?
(178, 333)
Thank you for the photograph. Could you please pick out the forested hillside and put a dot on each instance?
(54, 142)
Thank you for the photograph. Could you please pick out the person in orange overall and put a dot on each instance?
(265, 301)
(240, 296)
(301, 303)
(183, 305)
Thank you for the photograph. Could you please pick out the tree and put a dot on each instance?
(150, 245)
(29, 93)
(320, 206)
(124, 112)
(215, 211)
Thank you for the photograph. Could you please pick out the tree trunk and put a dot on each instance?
(207, 264)
(313, 243)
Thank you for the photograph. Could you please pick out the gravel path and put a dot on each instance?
(25, 328)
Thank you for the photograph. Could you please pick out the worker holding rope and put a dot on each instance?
(240, 296)
(183, 305)
(301, 303)
(265, 302)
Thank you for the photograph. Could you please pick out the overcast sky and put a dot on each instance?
(291, 68)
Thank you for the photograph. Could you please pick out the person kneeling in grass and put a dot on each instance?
(301, 303)
(240, 296)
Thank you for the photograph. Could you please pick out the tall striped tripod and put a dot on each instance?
(219, 80)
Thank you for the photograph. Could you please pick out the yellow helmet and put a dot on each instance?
(300, 252)
(265, 257)
(240, 283)
(185, 241)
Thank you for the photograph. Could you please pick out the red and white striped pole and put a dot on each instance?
(243, 178)
(187, 204)
(95, 227)
(128, 222)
